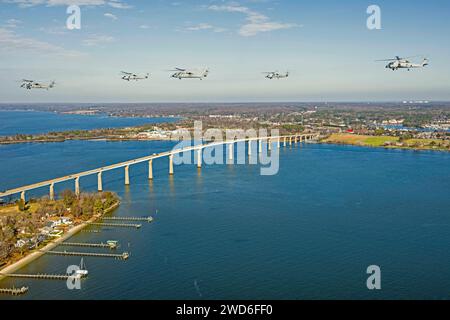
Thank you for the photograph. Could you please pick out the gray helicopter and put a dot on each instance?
(403, 63)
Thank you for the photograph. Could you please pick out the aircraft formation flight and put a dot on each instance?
(183, 73)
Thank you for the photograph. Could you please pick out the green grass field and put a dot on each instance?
(388, 142)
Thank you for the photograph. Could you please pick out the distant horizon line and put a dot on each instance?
(424, 101)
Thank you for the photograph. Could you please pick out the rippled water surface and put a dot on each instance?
(226, 232)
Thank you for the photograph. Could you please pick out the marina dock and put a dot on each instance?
(109, 245)
(123, 256)
(116, 225)
(146, 219)
(38, 276)
(14, 291)
(91, 231)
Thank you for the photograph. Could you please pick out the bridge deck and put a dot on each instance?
(140, 160)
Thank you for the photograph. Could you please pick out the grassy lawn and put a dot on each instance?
(13, 209)
(354, 139)
(388, 142)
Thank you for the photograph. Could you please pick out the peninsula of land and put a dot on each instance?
(29, 230)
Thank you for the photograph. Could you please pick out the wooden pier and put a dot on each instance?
(14, 291)
(111, 245)
(123, 256)
(147, 219)
(116, 225)
(38, 276)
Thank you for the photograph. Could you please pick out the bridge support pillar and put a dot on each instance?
(260, 145)
(171, 165)
(150, 170)
(284, 142)
(278, 143)
(231, 151)
(127, 175)
(23, 197)
(199, 158)
(290, 141)
(77, 186)
(99, 182)
(269, 144)
(52, 192)
(249, 147)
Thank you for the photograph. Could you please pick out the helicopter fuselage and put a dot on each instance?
(277, 76)
(404, 64)
(189, 75)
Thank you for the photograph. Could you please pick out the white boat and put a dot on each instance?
(82, 272)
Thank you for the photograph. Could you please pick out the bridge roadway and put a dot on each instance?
(50, 183)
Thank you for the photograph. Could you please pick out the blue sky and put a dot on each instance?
(325, 44)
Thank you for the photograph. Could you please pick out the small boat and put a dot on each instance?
(82, 272)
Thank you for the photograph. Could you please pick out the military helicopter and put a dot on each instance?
(31, 84)
(128, 76)
(181, 73)
(276, 75)
(404, 63)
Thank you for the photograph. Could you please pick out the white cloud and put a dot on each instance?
(12, 23)
(252, 29)
(111, 16)
(204, 26)
(201, 26)
(12, 42)
(59, 30)
(95, 39)
(255, 22)
(118, 4)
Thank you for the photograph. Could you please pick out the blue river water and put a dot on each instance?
(226, 232)
(35, 122)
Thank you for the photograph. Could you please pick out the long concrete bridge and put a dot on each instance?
(286, 140)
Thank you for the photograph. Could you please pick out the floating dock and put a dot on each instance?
(123, 256)
(14, 291)
(147, 219)
(116, 225)
(109, 245)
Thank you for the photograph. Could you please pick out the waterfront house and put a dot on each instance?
(46, 230)
(20, 243)
(60, 222)
(65, 221)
